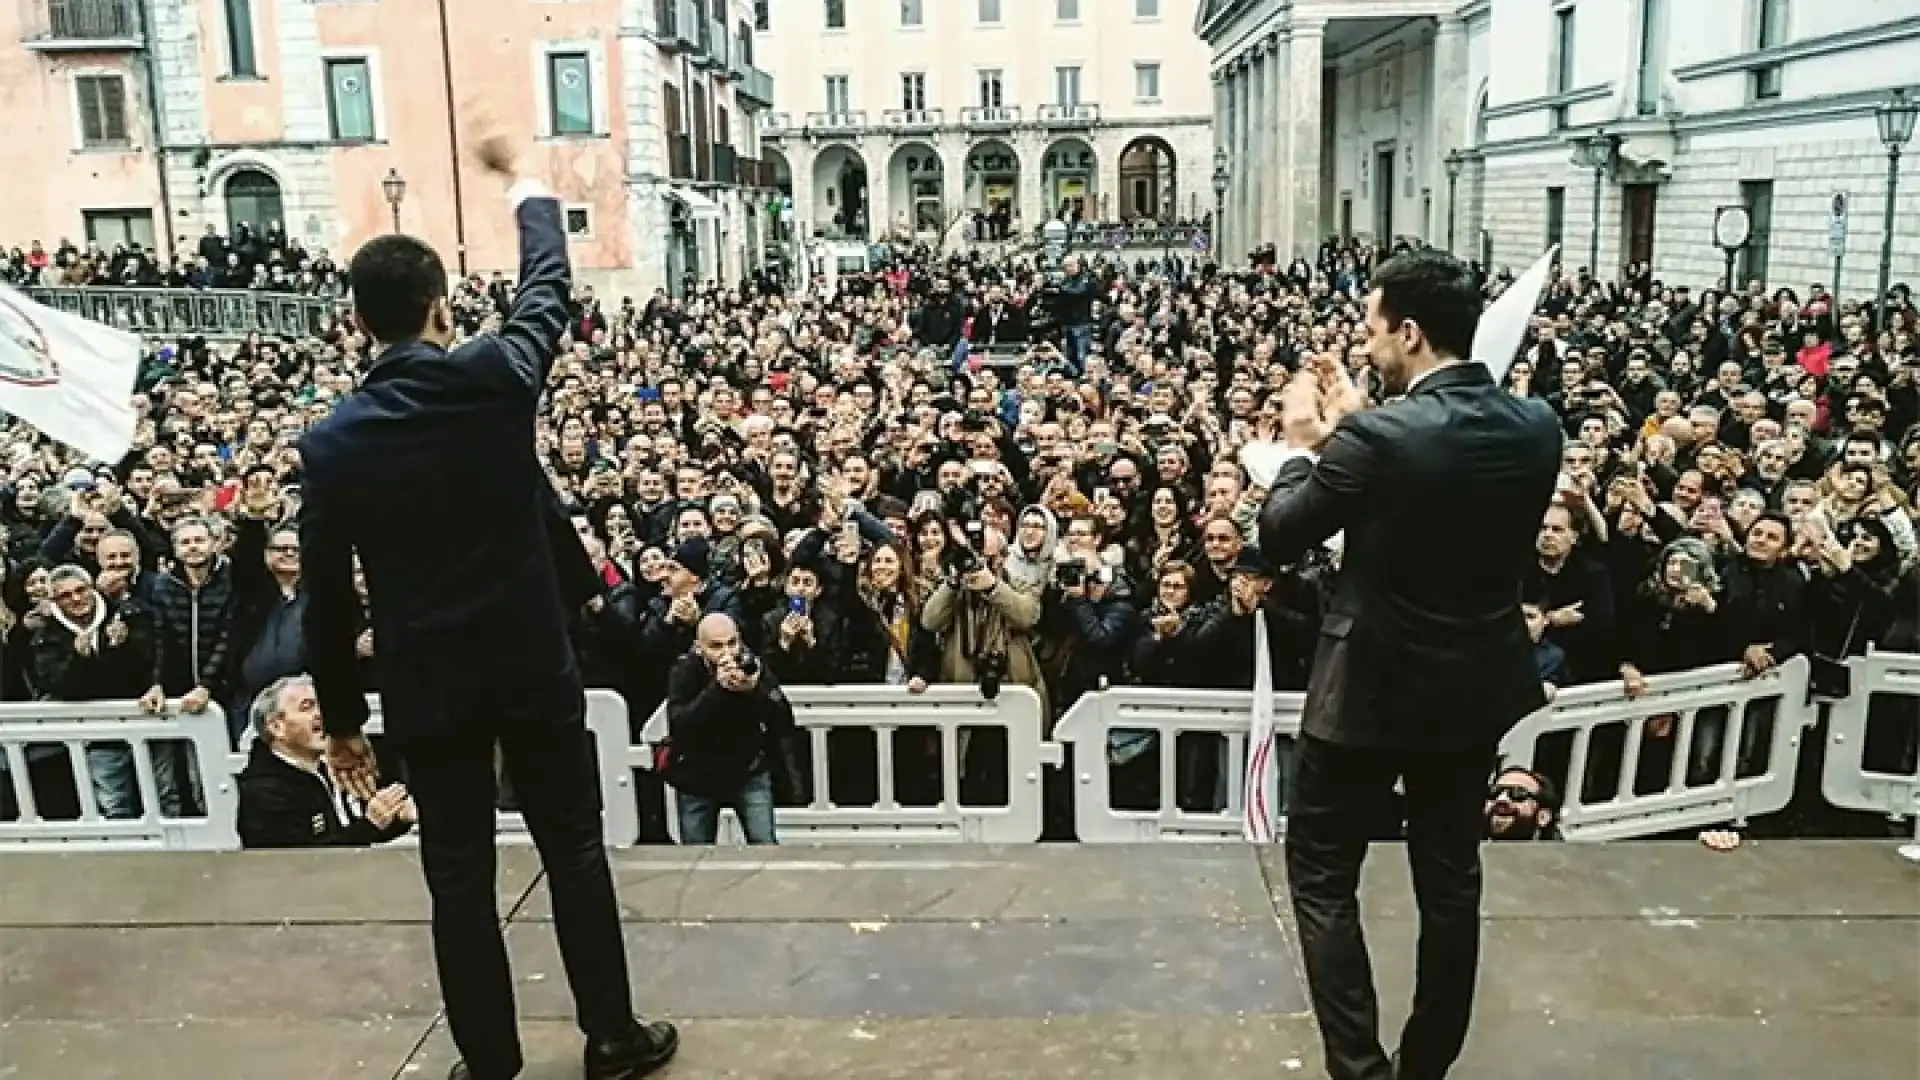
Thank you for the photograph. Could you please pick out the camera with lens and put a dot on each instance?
(748, 664)
(990, 669)
(1069, 575)
(959, 504)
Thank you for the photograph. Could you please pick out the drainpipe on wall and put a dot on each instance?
(453, 143)
(147, 64)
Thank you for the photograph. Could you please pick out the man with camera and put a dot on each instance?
(1070, 300)
(727, 725)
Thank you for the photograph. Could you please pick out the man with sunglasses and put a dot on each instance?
(1522, 805)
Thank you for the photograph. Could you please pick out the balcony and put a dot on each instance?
(677, 24)
(907, 121)
(836, 123)
(990, 117)
(726, 164)
(84, 26)
(1069, 116)
(714, 48)
(752, 85)
(680, 157)
(776, 125)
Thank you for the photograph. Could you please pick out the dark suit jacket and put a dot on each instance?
(428, 471)
(1440, 494)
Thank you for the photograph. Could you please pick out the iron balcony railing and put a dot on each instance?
(93, 24)
(990, 117)
(851, 120)
(913, 119)
(1078, 115)
(754, 85)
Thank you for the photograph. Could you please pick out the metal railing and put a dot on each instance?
(715, 47)
(677, 24)
(851, 120)
(990, 117)
(91, 22)
(1061, 116)
(754, 85)
(1193, 237)
(912, 119)
(212, 313)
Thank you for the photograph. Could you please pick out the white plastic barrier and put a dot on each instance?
(1678, 801)
(1734, 710)
(946, 710)
(1167, 713)
(214, 771)
(120, 737)
(1846, 781)
(606, 720)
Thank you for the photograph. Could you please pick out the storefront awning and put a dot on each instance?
(701, 207)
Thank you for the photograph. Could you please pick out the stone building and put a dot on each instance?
(900, 117)
(152, 120)
(1764, 104)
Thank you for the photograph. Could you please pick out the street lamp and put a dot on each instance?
(1596, 152)
(396, 190)
(1895, 117)
(1221, 174)
(1732, 226)
(1455, 161)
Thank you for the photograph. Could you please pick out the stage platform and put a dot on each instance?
(1620, 962)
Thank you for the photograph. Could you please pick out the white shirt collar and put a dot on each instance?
(1422, 377)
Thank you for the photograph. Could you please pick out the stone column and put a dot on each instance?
(1449, 89)
(1274, 162)
(1258, 183)
(1243, 170)
(1304, 59)
(1230, 205)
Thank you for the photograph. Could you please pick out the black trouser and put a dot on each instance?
(1336, 800)
(554, 776)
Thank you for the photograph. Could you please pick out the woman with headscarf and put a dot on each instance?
(1030, 558)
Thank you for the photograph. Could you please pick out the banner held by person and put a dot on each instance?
(71, 378)
(1503, 326)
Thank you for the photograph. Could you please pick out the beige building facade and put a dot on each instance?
(151, 120)
(901, 118)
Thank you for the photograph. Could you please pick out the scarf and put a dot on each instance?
(92, 630)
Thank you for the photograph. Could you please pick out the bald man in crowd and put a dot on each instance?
(728, 726)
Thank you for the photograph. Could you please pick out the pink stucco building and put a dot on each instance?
(154, 120)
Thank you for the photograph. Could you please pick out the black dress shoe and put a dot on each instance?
(635, 1054)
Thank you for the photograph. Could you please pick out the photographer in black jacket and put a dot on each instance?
(728, 725)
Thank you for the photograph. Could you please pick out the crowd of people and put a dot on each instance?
(1059, 505)
(260, 259)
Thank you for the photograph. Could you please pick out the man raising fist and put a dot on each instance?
(472, 631)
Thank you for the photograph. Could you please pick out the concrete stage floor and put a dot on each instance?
(1629, 961)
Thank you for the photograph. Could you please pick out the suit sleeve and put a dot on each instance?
(531, 334)
(333, 613)
(1311, 501)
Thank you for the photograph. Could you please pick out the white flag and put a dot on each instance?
(1503, 326)
(71, 378)
(1262, 780)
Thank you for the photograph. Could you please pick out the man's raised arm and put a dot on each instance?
(531, 336)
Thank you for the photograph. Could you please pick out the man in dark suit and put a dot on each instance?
(1423, 661)
(428, 472)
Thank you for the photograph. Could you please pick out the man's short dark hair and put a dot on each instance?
(396, 280)
(1435, 290)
